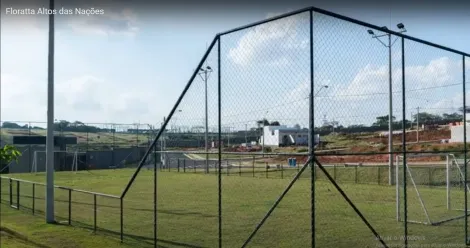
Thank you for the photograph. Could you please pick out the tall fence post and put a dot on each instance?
(355, 174)
(155, 178)
(282, 171)
(94, 213)
(17, 195)
(122, 219)
(378, 175)
(34, 198)
(267, 169)
(312, 137)
(219, 89)
(253, 165)
(194, 166)
(11, 191)
(405, 201)
(430, 177)
(464, 90)
(184, 165)
(70, 206)
(240, 167)
(178, 165)
(334, 172)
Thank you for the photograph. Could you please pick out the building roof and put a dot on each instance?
(285, 128)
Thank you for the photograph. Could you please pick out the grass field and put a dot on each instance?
(188, 213)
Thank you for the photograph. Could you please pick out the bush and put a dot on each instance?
(303, 150)
(9, 153)
(268, 149)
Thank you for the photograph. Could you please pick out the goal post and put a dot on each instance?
(39, 160)
(435, 191)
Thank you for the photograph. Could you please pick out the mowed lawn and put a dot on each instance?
(187, 206)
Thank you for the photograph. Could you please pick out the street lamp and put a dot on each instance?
(322, 87)
(310, 106)
(204, 73)
(402, 29)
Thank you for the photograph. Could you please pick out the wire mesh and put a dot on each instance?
(434, 103)
(244, 119)
(264, 93)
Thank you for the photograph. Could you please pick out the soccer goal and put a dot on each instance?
(39, 160)
(435, 190)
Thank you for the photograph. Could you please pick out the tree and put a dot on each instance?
(9, 153)
(262, 122)
(427, 118)
(275, 123)
(383, 120)
(452, 117)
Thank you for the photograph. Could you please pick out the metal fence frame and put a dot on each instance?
(17, 205)
(312, 155)
(218, 39)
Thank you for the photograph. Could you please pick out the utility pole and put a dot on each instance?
(206, 72)
(402, 29)
(162, 144)
(417, 126)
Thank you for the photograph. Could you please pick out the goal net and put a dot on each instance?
(435, 188)
(63, 161)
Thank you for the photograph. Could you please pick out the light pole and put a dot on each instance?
(311, 142)
(50, 123)
(402, 29)
(204, 73)
(417, 125)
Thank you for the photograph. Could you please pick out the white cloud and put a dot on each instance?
(86, 98)
(372, 80)
(264, 43)
(21, 97)
(368, 81)
(438, 72)
(110, 23)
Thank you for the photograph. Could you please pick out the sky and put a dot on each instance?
(130, 64)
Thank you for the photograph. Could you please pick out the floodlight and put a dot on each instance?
(400, 26)
(370, 32)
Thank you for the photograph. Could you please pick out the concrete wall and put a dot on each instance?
(25, 162)
(88, 160)
(457, 134)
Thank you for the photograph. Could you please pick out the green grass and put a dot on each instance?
(188, 213)
(93, 138)
(21, 230)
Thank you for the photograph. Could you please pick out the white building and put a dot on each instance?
(457, 131)
(285, 136)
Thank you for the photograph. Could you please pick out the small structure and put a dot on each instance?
(285, 136)
(457, 129)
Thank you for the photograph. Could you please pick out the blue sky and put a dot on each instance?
(131, 64)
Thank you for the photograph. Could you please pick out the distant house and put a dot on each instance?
(285, 136)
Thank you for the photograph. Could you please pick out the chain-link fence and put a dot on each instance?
(270, 100)
(81, 146)
(308, 129)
